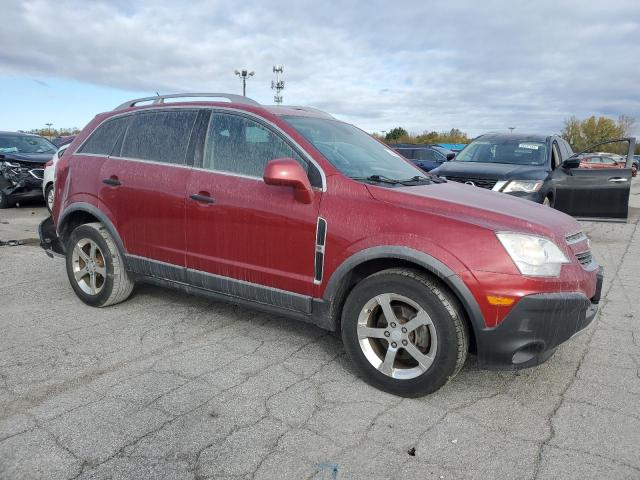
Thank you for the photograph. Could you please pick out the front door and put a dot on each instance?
(243, 234)
(595, 193)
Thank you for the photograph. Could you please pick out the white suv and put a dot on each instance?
(49, 178)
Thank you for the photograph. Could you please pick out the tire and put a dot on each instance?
(415, 300)
(48, 196)
(105, 281)
(5, 201)
(548, 201)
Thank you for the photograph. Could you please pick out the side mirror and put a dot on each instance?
(571, 162)
(286, 172)
(451, 156)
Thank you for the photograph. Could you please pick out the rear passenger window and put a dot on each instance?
(103, 139)
(239, 145)
(161, 136)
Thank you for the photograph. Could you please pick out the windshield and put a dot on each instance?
(353, 152)
(25, 144)
(504, 150)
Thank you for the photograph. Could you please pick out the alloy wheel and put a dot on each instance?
(89, 268)
(397, 336)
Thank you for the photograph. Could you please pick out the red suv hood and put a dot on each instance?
(495, 211)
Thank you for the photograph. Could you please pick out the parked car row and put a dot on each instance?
(540, 168)
(288, 210)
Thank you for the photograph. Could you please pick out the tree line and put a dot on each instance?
(579, 133)
(400, 135)
(53, 132)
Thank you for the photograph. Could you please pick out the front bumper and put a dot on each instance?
(533, 329)
(49, 239)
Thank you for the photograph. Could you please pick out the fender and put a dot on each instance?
(96, 212)
(429, 263)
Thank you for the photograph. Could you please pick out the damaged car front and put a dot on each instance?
(22, 161)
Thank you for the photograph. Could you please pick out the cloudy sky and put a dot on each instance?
(476, 66)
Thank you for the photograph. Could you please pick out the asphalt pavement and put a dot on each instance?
(172, 386)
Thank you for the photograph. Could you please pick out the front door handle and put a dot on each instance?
(199, 197)
(112, 181)
(617, 180)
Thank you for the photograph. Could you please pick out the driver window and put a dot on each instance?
(242, 146)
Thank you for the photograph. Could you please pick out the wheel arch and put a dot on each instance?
(372, 260)
(80, 213)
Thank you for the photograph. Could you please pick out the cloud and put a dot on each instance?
(475, 66)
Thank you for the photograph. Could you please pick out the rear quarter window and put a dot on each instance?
(161, 136)
(104, 138)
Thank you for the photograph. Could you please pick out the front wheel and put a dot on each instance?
(404, 332)
(48, 196)
(95, 267)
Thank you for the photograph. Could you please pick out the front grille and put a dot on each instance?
(584, 258)
(478, 182)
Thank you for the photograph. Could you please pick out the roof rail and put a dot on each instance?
(317, 111)
(161, 98)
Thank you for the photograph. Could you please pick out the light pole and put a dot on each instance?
(49, 125)
(511, 129)
(244, 75)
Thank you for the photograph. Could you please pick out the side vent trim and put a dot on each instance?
(321, 239)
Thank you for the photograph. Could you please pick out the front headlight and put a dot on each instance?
(534, 256)
(526, 186)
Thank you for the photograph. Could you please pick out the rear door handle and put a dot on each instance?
(617, 180)
(198, 197)
(112, 181)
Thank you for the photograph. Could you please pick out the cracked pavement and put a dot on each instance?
(171, 386)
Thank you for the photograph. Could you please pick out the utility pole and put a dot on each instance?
(277, 85)
(49, 125)
(511, 129)
(244, 74)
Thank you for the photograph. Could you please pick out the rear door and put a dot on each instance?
(601, 193)
(148, 176)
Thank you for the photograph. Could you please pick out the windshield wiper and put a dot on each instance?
(377, 179)
(416, 179)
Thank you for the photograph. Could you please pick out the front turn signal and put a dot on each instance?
(500, 301)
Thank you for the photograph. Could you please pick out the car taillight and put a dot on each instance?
(49, 163)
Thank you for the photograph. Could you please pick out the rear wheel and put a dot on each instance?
(95, 267)
(404, 333)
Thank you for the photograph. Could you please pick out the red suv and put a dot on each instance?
(291, 211)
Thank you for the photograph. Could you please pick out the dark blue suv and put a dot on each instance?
(426, 157)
